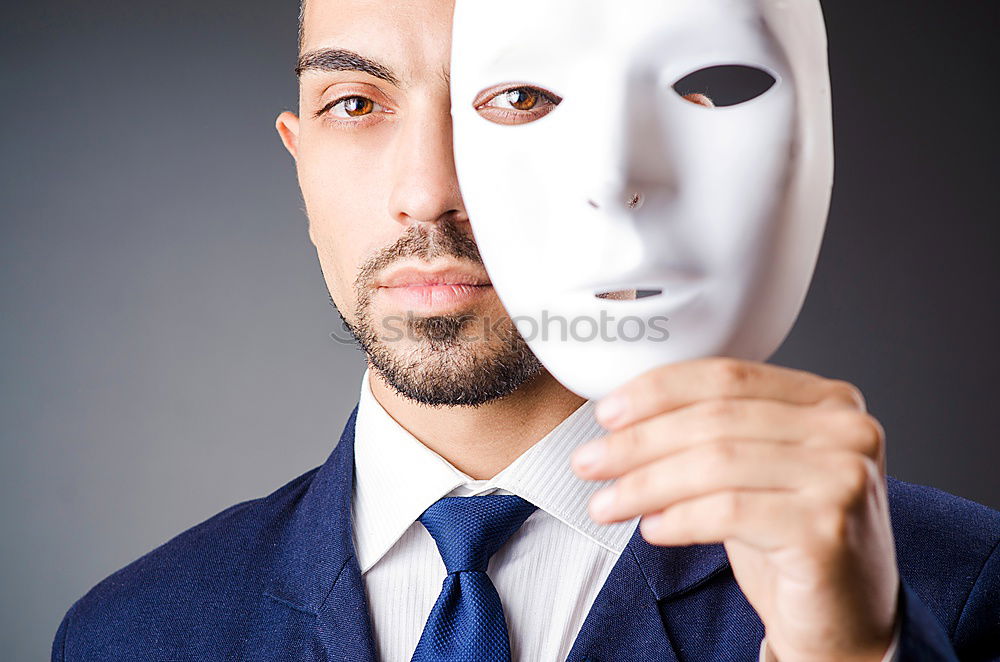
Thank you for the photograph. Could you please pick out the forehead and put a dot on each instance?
(598, 16)
(529, 32)
(412, 37)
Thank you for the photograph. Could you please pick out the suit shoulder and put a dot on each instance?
(926, 513)
(202, 574)
(943, 544)
(232, 533)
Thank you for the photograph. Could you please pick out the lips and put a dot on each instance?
(430, 290)
(414, 277)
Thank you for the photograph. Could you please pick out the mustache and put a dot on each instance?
(443, 239)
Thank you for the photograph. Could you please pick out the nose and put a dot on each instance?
(425, 185)
(612, 184)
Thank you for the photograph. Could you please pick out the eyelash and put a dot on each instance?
(324, 112)
(511, 116)
(547, 96)
(551, 99)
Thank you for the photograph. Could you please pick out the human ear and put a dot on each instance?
(287, 125)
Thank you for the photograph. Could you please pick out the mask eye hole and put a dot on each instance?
(727, 84)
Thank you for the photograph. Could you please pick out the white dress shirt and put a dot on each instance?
(549, 572)
(546, 594)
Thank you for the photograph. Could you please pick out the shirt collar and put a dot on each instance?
(397, 478)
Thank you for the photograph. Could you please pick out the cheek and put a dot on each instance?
(514, 230)
(508, 187)
(732, 174)
(345, 189)
(341, 177)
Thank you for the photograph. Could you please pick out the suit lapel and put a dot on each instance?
(315, 609)
(706, 615)
(627, 621)
(670, 604)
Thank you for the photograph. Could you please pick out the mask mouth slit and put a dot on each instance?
(631, 294)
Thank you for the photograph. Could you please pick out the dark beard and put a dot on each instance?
(446, 366)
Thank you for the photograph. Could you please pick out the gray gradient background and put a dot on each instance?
(165, 333)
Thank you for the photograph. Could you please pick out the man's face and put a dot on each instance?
(373, 149)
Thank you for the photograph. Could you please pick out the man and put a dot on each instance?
(765, 513)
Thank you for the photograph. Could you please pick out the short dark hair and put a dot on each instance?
(302, 13)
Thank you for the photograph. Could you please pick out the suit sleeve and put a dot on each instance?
(891, 655)
(977, 635)
(922, 638)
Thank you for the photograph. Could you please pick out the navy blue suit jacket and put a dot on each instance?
(276, 579)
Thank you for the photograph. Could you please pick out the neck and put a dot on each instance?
(482, 441)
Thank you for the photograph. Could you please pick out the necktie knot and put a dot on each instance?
(468, 531)
(467, 622)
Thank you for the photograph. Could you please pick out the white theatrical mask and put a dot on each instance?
(585, 172)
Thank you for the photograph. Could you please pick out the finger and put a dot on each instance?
(669, 387)
(762, 519)
(702, 470)
(718, 420)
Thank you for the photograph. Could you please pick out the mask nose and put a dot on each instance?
(632, 200)
(629, 176)
(613, 206)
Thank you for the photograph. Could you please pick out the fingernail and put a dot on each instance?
(610, 409)
(590, 454)
(602, 503)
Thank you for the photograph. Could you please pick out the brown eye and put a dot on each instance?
(517, 105)
(519, 98)
(355, 106)
(522, 98)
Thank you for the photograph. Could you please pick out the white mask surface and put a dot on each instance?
(585, 171)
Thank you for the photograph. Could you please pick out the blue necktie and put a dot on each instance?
(467, 623)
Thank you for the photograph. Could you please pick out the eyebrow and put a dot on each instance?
(338, 59)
